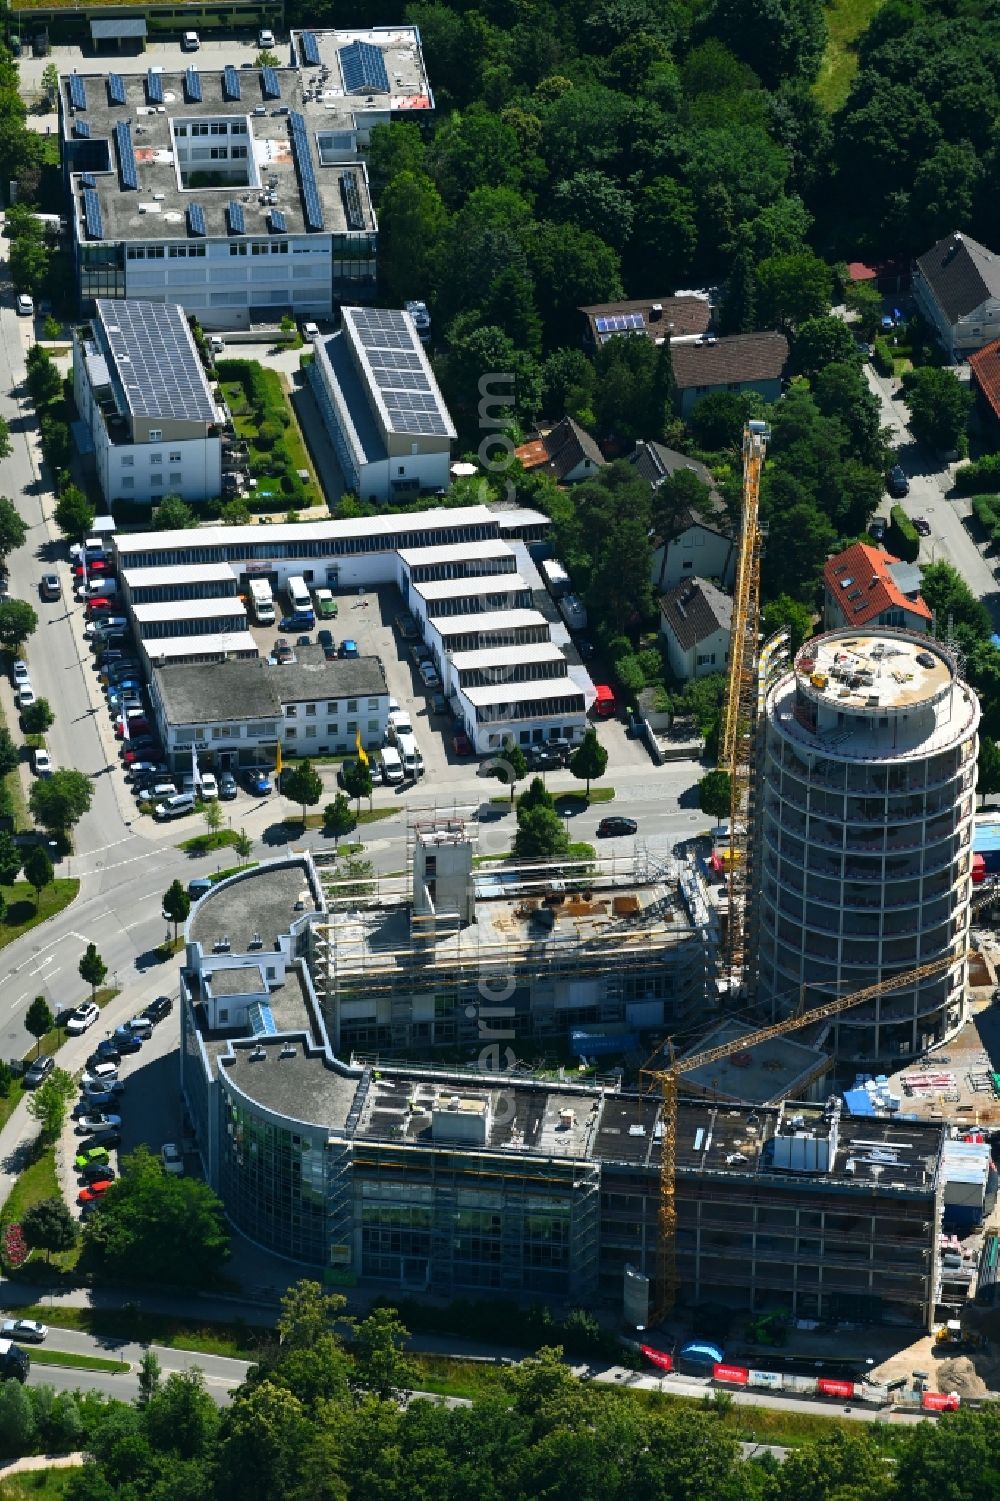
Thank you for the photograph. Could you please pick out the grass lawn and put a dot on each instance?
(374, 815)
(231, 870)
(44, 1356)
(38, 1485)
(291, 441)
(15, 791)
(580, 799)
(845, 22)
(204, 844)
(37, 1182)
(236, 1341)
(21, 915)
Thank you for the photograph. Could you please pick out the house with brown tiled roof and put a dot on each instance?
(956, 286)
(865, 586)
(695, 621)
(984, 374)
(565, 452)
(688, 314)
(738, 363)
(700, 539)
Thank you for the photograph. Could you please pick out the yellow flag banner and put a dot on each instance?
(277, 760)
(362, 753)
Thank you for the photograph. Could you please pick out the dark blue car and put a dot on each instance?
(303, 620)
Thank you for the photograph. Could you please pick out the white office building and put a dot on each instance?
(143, 395)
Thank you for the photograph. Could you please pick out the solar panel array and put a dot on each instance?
(269, 85)
(116, 88)
(353, 212)
(156, 361)
(235, 217)
(81, 129)
(277, 222)
(310, 49)
(126, 155)
(77, 91)
(400, 372)
(311, 203)
(88, 180)
(92, 217)
(192, 85)
(620, 323)
(363, 67)
(154, 87)
(230, 83)
(196, 219)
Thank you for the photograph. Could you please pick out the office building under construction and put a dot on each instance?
(479, 1180)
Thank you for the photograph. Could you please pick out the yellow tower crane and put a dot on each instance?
(668, 1081)
(736, 740)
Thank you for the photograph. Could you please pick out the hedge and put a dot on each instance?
(986, 509)
(983, 474)
(882, 357)
(903, 538)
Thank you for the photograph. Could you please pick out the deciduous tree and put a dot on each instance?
(589, 760)
(48, 1225)
(93, 970)
(714, 794)
(302, 784)
(49, 1103)
(176, 904)
(17, 622)
(60, 801)
(13, 530)
(38, 1019)
(38, 871)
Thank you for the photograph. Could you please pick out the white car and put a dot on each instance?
(100, 1076)
(209, 787)
(140, 1026)
(310, 332)
(25, 305)
(19, 672)
(42, 763)
(265, 39)
(26, 696)
(90, 1125)
(83, 1018)
(173, 1160)
(27, 1331)
(429, 674)
(190, 41)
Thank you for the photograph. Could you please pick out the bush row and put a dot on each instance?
(903, 538)
(981, 475)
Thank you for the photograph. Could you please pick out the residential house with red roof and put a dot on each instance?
(566, 452)
(984, 371)
(865, 586)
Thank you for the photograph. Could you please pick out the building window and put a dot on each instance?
(402, 469)
(290, 733)
(352, 726)
(352, 706)
(311, 710)
(176, 477)
(310, 732)
(331, 707)
(704, 660)
(156, 479)
(156, 458)
(373, 726)
(155, 434)
(128, 462)
(175, 458)
(128, 483)
(223, 1015)
(373, 703)
(291, 711)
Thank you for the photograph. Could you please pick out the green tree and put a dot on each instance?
(243, 846)
(10, 860)
(38, 1019)
(49, 1104)
(792, 289)
(37, 717)
(93, 970)
(823, 341)
(865, 302)
(589, 760)
(155, 1226)
(267, 59)
(784, 43)
(357, 781)
(988, 768)
(302, 784)
(10, 756)
(74, 514)
(17, 1419)
(536, 795)
(150, 1373)
(17, 622)
(13, 531)
(29, 265)
(176, 904)
(173, 515)
(337, 816)
(48, 1225)
(785, 611)
(381, 1366)
(212, 813)
(511, 766)
(307, 1313)
(271, 1447)
(181, 1418)
(50, 81)
(540, 833)
(946, 593)
(939, 407)
(714, 792)
(60, 801)
(413, 223)
(38, 871)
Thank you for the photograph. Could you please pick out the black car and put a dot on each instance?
(876, 528)
(325, 639)
(106, 1052)
(100, 1139)
(125, 1041)
(541, 759)
(97, 1172)
(303, 641)
(613, 828)
(158, 1009)
(899, 485)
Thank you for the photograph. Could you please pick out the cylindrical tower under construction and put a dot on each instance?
(866, 806)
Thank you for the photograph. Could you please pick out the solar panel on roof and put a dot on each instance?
(230, 83)
(77, 91)
(88, 180)
(353, 212)
(192, 85)
(196, 219)
(126, 155)
(154, 87)
(236, 217)
(81, 129)
(277, 222)
(116, 88)
(270, 87)
(310, 49)
(363, 68)
(92, 217)
(158, 365)
(311, 202)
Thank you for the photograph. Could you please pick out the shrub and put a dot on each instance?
(982, 474)
(882, 357)
(631, 678)
(903, 538)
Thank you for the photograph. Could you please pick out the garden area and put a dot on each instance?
(263, 417)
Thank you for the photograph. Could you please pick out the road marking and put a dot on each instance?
(37, 971)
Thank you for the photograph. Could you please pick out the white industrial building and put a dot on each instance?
(382, 406)
(240, 192)
(867, 805)
(188, 617)
(144, 398)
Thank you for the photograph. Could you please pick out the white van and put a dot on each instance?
(399, 724)
(299, 597)
(410, 756)
(175, 807)
(392, 766)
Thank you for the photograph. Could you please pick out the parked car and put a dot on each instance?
(406, 626)
(99, 1095)
(140, 1026)
(899, 485)
(438, 704)
(89, 1155)
(85, 1015)
(105, 1052)
(199, 887)
(25, 305)
(616, 826)
(138, 724)
(98, 1172)
(26, 696)
(190, 42)
(90, 1122)
(93, 1191)
(49, 588)
(227, 786)
(299, 621)
(19, 673)
(877, 528)
(100, 1077)
(921, 526)
(430, 675)
(127, 1041)
(348, 648)
(265, 40)
(282, 651)
(325, 640)
(541, 758)
(173, 1158)
(258, 783)
(461, 744)
(25, 1331)
(139, 771)
(158, 1009)
(303, 641)
(38, 1071)
(209, 787)
(41, 763)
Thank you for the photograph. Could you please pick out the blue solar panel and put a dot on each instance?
(278, 223)
(154, 87)
(353, 211)
(196, 219)
(312, 205)
(270, 87)
(310, 49)
(236, 217)
(92, 216)
(192, 85)
(81, 129)
(126, 155)
(364, 70)
(88, 180)
(77, 91)
(230, 83)
(116, 88)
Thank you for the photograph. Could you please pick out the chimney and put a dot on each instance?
(656, 312)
